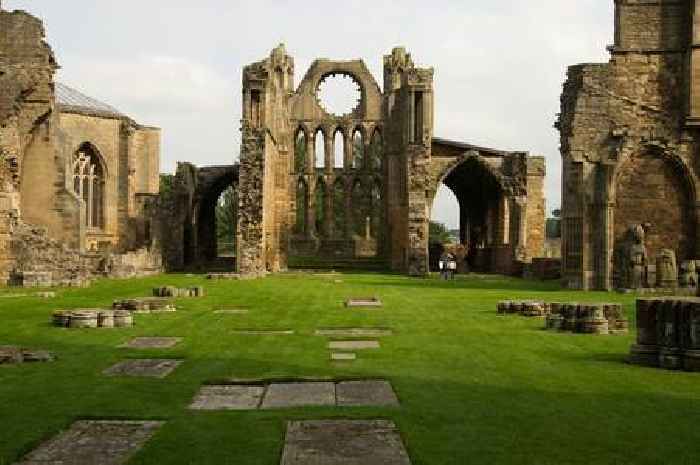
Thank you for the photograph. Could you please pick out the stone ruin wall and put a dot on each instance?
(628, 151)
(32, 160)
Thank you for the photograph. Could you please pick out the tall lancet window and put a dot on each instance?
(88, 184)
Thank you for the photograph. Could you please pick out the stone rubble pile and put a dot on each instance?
(93, 318)
(172, 291)
(15, 355)
(585, 318)
(668, 333)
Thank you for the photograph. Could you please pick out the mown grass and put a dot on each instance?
(475, 388)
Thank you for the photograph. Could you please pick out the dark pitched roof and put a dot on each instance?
(70, 100)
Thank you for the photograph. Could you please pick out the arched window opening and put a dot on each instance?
(300, 152)
(339, 209)
(376, 152)
(88, 184)
(279, 74)
(358, 149)
(339, 149)
(320, 206)
(302, 203)
(226, 220)
(320, 149)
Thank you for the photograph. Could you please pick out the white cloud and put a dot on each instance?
(177, 64)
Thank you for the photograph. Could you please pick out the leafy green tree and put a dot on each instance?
(438, 233)
(226, 219)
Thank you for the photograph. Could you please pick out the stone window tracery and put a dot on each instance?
(88, 184)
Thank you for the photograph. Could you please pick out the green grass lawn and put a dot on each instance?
(475, 387)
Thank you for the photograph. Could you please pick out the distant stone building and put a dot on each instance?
(629, 143)
(76, 175)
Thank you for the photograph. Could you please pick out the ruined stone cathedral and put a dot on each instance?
(375, 199)
(81, 195)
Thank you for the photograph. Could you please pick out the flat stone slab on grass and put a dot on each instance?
(353, 345)
(307, 394)
(149, 368)
(264, 332)
(346, 442)
(371, 393)
(356, 302)
(343, 356)
(152, 343)
(94, 443)
(354, 332)
(228, 398)
(233, 311)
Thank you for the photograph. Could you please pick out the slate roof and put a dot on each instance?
(70, 100)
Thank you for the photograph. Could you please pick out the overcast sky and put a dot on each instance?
(176, 64)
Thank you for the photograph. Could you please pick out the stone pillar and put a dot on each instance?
(347, 148)
(310, 217)
(521, 246)
(310, 161)
(329, 152)
(607, 229)
(349, 220)
(694, 78)
(504, 237)
(328, 209)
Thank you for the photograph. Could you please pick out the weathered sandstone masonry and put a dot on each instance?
(75, 173)
(628, 143)
(376, 200)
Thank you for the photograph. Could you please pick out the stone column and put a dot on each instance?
(328, 209)
(504, 236)
(521, 246)
(310, 161)
(311, 208)
(347, 148)
(349, 217)
(694, 78)
(329, 153)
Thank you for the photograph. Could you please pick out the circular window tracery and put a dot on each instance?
(339, 94)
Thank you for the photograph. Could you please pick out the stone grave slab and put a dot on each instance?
(264, 332)
(354, 332)
(239, 397)
(94, 443)
(346, 442)
(353, 345)
(152, 343)
(370, 393)
(307, 394)
(232, 311)
(343, 356)
(363, 302)
(149, 368)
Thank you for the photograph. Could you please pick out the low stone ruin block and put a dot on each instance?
(145, 305)
(595, 318)
(343, 356)
(172, 291)
(668, 333)
(92, 318)
(350, 442)
(148, 368)
(94, 443)
(264, 332)
(363, 302)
